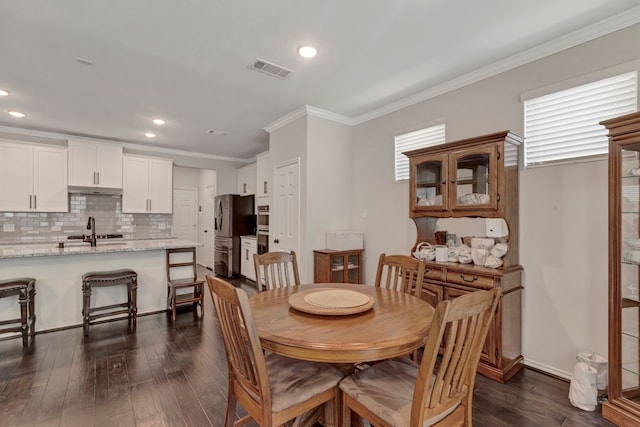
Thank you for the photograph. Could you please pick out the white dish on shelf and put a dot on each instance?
(632, 243)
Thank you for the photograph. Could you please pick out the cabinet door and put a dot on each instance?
(82, 164)
(489, 350)
(263, 177)
(431, 294)
(109, 166)
(160, 186)
(473, 179)
(429, 192)
(16, 178)
(135, 184)
(50, 190)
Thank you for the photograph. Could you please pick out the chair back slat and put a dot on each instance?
(246, 363)
(462, 325)
(276, 270)
(401, 273)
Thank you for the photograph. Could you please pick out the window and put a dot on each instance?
(426, 137)
(564, 125)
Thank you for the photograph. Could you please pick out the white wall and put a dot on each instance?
(563, 221)
(185, 177)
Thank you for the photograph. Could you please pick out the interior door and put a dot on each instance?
(184, 214)
(286, 215)
(208, 232)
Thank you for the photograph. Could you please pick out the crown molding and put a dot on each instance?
(56, 137)
(307, 110)
(599, 29)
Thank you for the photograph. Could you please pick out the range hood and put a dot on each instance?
(94, 190)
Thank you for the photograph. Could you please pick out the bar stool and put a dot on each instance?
(109, 278)
(25, 289)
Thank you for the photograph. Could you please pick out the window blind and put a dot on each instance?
(426, 137)
(564, 125)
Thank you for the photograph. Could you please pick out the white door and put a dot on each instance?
(185, 204)
(286, 235)
(208, 235)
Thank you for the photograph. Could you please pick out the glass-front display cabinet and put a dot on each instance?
(623, 405)
(337, 266)
(462, 178)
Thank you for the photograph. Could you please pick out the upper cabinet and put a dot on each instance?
(464, 178)
(33, 178)
(95, 165)
(147, 185)
(263, 182)
(247, 180)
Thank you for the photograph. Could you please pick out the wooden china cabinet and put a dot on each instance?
(623, 406)
(475, 177)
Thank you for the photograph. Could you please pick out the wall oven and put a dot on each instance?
(223, 259)
(262, 229)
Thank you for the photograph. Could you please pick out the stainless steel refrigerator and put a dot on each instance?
(234, 217)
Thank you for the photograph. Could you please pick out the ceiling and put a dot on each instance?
(188, 61)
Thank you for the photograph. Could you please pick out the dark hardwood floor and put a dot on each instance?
(175, 375)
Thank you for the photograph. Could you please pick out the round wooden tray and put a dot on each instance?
(298, 302)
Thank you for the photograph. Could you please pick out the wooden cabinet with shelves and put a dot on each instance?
(33, 178)
(247, 180)
(623, 404)
(474, 177)
(95, 165)
(147, 185)
(337, 266)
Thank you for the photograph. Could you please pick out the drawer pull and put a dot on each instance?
(473, 279)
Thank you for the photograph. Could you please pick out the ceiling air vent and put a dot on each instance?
(270, 68)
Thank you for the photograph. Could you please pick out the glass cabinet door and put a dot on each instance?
(473, 178)
(430, 183)
(353, 269)
(629, 312)
(337, 268)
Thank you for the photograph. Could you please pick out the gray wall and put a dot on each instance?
(563, 209)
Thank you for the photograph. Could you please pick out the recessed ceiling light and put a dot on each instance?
(17, 114)
(150, 134)
(3, 92)
(307, 51)
(159, 121)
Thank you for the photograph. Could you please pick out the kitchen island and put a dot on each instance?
(58, 273)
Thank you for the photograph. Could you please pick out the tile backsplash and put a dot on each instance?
(106, 209)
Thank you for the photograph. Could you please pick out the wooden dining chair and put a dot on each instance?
(399, 392)
(276, 270)
(176, 265)
(272, 389)
(400, 272)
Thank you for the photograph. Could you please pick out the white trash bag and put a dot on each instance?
(599, 363)
(583, 392)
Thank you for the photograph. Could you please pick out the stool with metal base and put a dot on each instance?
(109, 278)
(25, 289)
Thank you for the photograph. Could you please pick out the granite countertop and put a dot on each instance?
(79, 248)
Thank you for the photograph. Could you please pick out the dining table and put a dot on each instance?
(394, 325)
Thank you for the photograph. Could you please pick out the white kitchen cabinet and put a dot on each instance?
(247, 180)
(249, 247)
(33, 178)
(95, 165)
(263, 179)
(147, 185)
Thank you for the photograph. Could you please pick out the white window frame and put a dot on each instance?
(421, 138)
(563, 126)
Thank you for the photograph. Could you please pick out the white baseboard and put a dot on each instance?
(548, 369)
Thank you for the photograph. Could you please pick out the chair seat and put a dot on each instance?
(386, 389)
(294, 381)
(179, 283)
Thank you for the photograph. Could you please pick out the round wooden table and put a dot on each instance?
(397, 324)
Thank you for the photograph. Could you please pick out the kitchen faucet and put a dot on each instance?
(91, 225)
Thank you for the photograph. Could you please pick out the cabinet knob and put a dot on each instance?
(276, 240)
